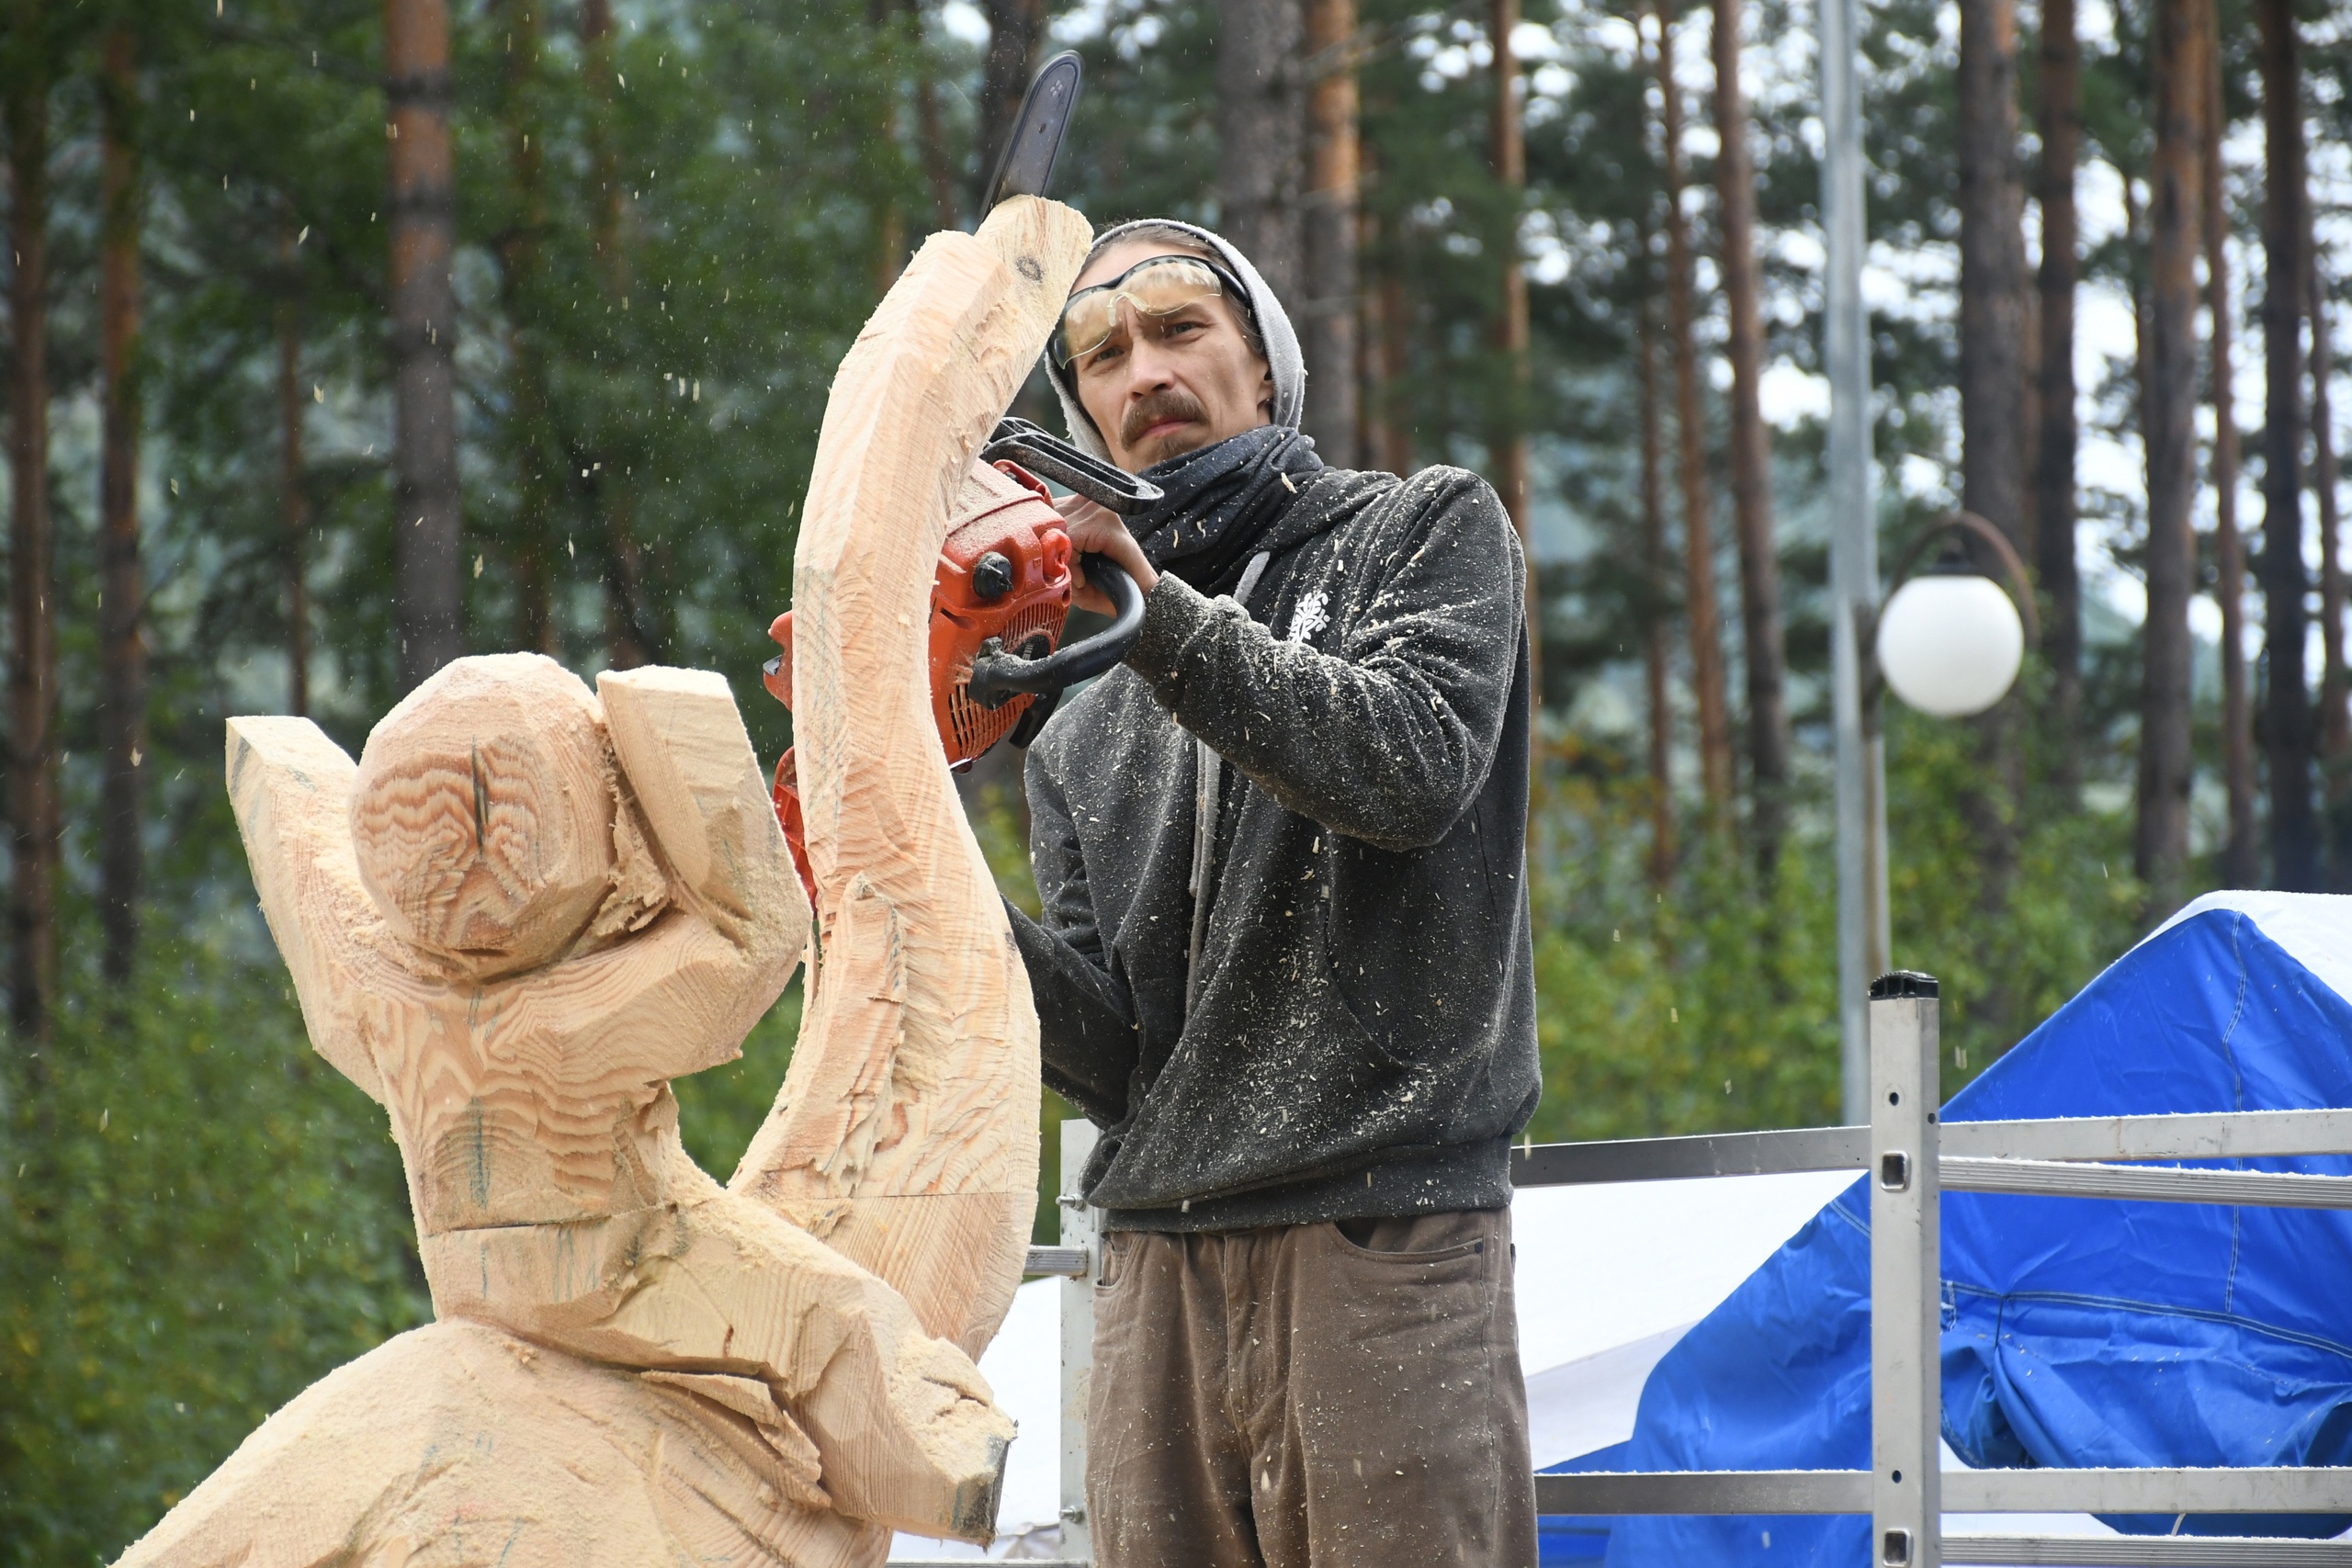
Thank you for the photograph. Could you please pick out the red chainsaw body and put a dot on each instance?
(1004, 573)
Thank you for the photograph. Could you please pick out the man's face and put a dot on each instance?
(1163, 386)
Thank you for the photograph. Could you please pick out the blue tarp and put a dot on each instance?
(2077, 1331)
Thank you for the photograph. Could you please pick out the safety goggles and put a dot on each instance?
(1156, 285)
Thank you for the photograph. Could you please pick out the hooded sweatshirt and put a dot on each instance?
(1357, 1038)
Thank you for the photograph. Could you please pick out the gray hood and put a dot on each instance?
(1274, 330)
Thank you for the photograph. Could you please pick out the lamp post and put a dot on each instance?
(1864, 942)
(1949, 642)
(1853, 556)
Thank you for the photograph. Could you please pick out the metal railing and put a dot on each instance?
(1914, 1159)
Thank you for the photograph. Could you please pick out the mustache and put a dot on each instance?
(1171, 403)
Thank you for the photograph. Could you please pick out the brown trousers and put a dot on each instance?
(1335, 1395)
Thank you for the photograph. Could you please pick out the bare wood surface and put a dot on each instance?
(519, 1095)
(514, 923)
(483, 823)
(905, 1134)
(461, 1444)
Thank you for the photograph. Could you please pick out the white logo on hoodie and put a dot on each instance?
(1310, 617)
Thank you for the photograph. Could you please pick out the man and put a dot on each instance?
(1283, 961)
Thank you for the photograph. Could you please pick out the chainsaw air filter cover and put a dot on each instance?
(1004, 577)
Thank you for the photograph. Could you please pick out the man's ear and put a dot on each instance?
(1266, 394)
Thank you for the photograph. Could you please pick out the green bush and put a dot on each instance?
(202, 1218)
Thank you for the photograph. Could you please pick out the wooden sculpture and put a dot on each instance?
(907, 1140)
(527, 907)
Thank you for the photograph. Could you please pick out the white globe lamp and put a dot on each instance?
(1950, 641)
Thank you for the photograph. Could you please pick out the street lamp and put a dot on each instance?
(1950, 641)
(1853, 551)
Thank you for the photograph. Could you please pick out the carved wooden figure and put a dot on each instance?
(527, 907)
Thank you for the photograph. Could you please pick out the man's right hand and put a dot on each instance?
(1097, 530)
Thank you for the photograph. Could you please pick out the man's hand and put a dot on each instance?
(1097, 530)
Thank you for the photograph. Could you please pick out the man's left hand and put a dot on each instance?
(1097, 530)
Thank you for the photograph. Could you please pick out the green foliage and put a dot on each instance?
(1690, 1007)
(1710, 1004)
(200, 1217)
(720, 1107)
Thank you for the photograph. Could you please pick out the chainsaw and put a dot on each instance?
(1001, 597)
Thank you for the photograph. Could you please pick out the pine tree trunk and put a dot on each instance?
(2135, 238)
(1016, 32)
(1768, 740)
(1388, 358)
(1995, 462)
(2240, 862)
(427, 532)
(1328, 329)
(1396, 364)
(2286, 708)
(1506, 440)
(1698, 529)
(293, 502)
(2160, 845)
(2054, 507)
(522, 268)
(628, 639)
(1992, 270)
(1369, 273)
(122, 653)
(32, 668)
(938, 171)
(2335, 723)
(1656, 636)
(1261, 138)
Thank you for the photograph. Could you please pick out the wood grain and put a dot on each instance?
(906, 1130)
(482, 815)
(532, 1106)
(462, 1446)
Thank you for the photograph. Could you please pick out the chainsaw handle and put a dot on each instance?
(1106, 485)
(998, 676)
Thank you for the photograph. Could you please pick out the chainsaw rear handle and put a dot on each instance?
(999, 676)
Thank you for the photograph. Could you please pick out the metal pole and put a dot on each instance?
(1078, 1229)
(1862, 944)
(1906, 1397)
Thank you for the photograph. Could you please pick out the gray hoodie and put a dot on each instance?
(1362, 1040)
(1341, 765)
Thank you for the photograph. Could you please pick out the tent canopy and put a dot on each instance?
(2077, 1332)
